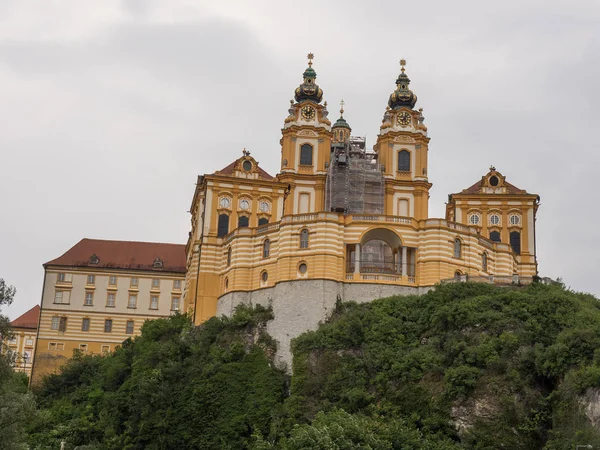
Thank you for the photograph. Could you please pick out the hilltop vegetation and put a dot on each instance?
(467, 366)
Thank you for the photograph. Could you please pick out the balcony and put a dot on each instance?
(381, 271)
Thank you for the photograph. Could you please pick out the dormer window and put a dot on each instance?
(158, 264)
(94, 259)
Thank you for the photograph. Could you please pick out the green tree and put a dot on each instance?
(17, 405)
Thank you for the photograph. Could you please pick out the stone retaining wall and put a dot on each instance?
(299, 306)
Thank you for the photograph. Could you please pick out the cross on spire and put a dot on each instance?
(402, 64)
(310, 57)
(342, 103)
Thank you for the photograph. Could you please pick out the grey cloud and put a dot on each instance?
(104, 136)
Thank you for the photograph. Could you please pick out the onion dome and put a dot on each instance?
(341, 122)
(402, 96)
(309, 90)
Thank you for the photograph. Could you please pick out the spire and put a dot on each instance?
(309, 90)
(341, 122)
(402, 95)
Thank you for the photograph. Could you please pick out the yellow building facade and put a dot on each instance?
(21, 344)
(340, 222)
(100, 292)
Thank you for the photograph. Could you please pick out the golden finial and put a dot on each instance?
(310, 57)
(325, 103)
(342, 103)
(402, 64)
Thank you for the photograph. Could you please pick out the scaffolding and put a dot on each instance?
(355, 182)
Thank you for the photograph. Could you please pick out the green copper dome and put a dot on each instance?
(341, 122)
(402, 95)
(309, 89)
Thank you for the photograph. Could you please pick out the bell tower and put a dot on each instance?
(402, 146)
(306, 147)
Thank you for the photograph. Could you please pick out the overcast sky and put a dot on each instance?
(110, 109)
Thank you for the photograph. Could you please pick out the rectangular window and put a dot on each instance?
(83, 348)
(108, 326)
(306, 155)
(112, 280)
(91, 279)
(55, 322)
(51, 345)
(58, 297)
(132, 301)
(85, 324)
(29, 342)
(56, 346)
(134, 282)
(304, 203)
(129, 327)
(155, 282)
(105, 349)
(62, 325)
(89, 299)
(12, 340)
(177, 285)
(110, 300)
(154, 302)
(61, 277)
(175, 304)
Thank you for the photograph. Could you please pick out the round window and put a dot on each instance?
(264, 276)
(494, 219)
(493, 180)
(474, 220)
(302, 268)
(515, 219)
(247, 165)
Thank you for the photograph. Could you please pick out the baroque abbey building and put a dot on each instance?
(341, 222)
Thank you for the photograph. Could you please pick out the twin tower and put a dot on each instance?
(331, 171)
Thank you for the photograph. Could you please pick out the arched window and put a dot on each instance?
(515, 241)
(457, 275)
(266, 248)
(304, 239)
(223, 227)
(263, 221)
(403, 161)
(228, 256)
(484, 260)
(243, 221)
(495, 236)
(457, 248)
(306, 155)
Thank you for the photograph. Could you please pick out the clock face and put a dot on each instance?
(264, 206)
(244, 204)
(404, 118)
(308, 113)
(225, 202)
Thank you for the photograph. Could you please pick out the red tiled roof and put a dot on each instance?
(228, 170)
(476, 188)
(124, 255)
(28, 319)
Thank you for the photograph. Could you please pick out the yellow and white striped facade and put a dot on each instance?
(94, 309)
(303, 241)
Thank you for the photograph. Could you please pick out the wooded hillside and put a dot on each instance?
(466, 366)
